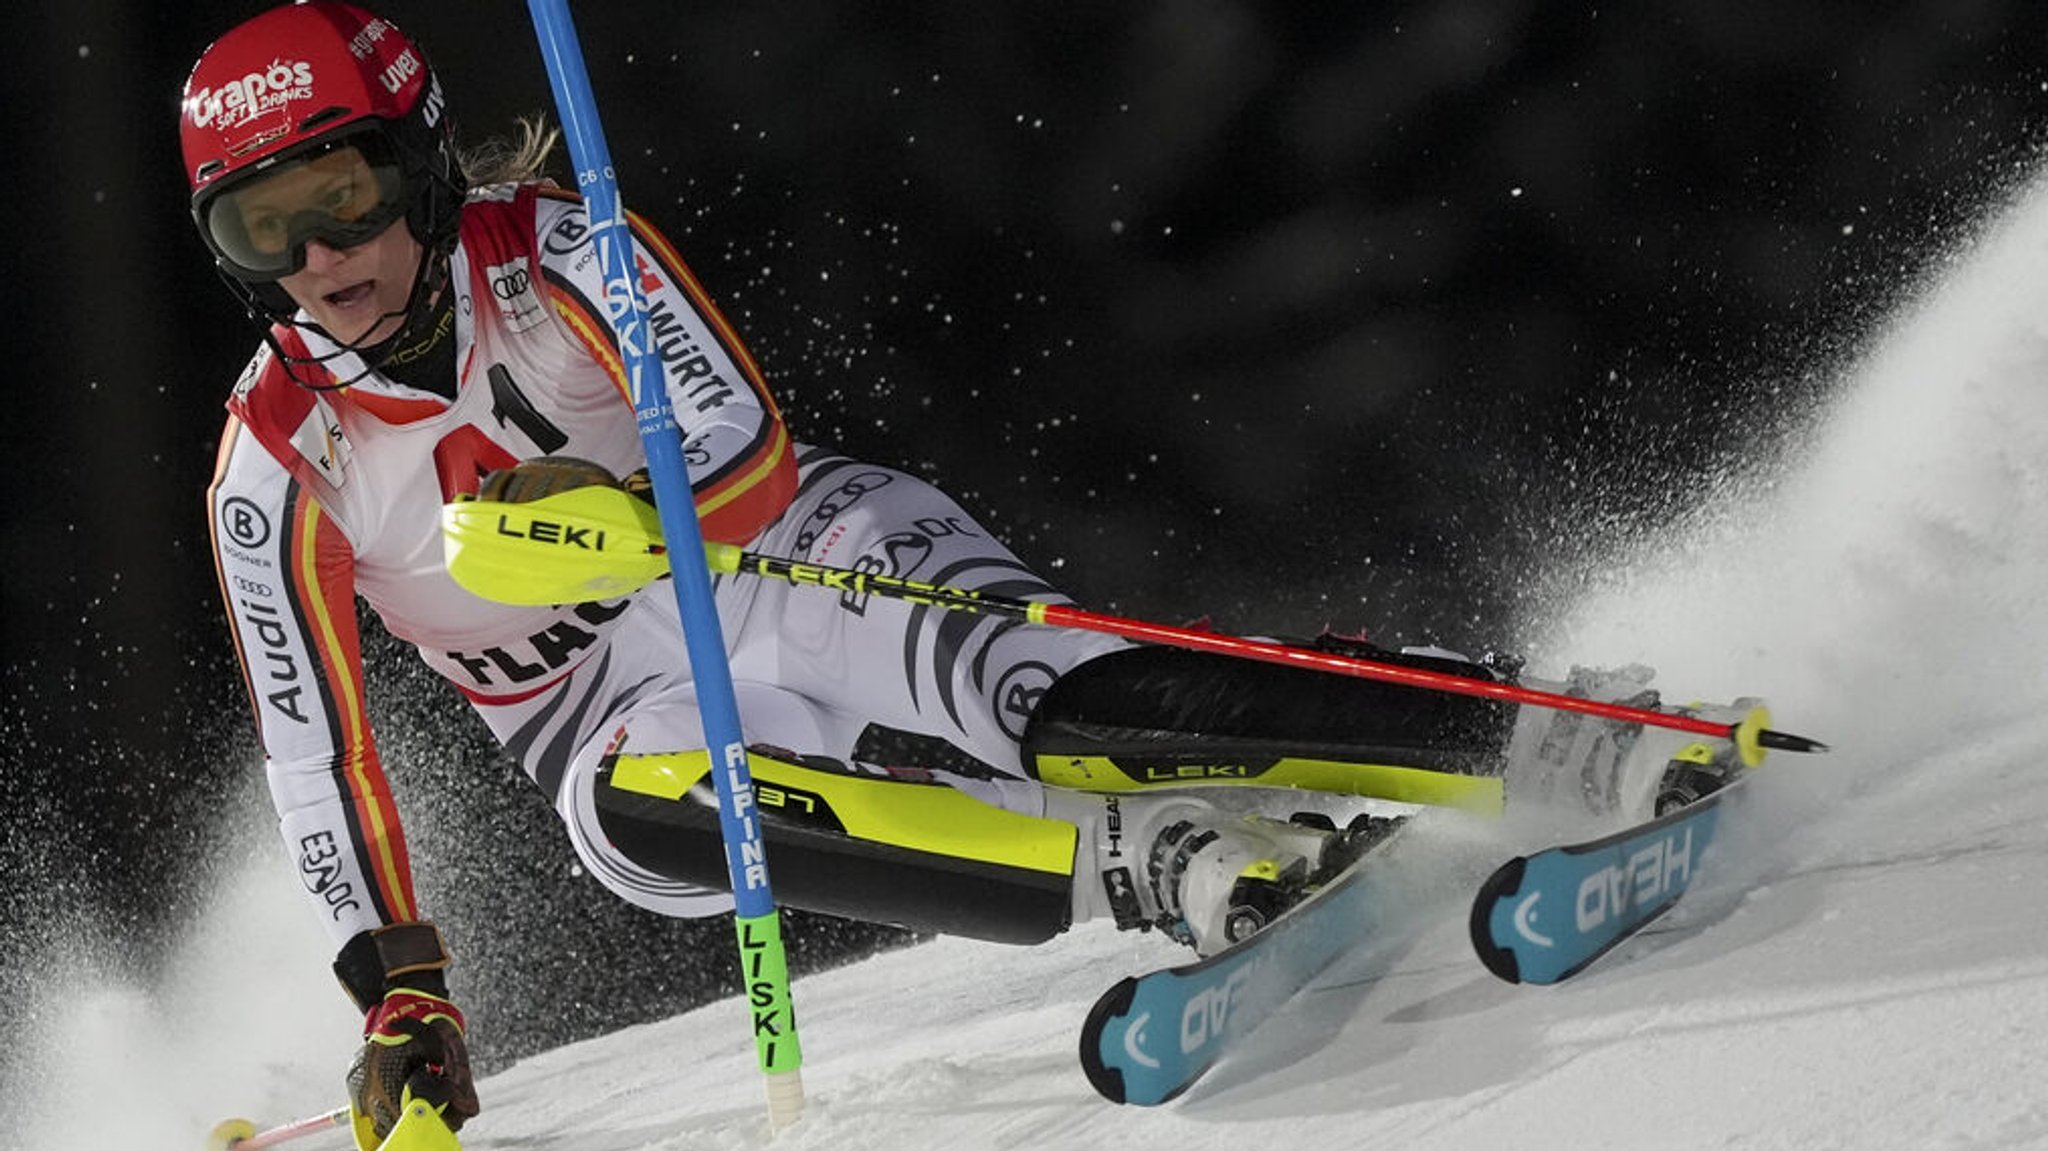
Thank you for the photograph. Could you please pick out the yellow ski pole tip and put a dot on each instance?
(227, 1133)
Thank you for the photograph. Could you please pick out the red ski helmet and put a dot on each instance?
(316, 83)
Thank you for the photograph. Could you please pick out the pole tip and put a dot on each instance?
(785, 1098)
(1786, 741)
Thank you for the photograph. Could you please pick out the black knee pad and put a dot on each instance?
(1154, 710)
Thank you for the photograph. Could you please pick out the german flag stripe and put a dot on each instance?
(591, 329)
(733, 488)
(320, 565)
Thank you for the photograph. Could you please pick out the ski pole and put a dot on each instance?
(599, 541)
(241, 1135)
(763, 963)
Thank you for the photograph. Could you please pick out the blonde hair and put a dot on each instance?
(501, 160)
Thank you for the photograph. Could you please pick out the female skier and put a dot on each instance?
(432, 318)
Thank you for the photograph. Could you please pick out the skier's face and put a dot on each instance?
(327, 226)
(358, 294)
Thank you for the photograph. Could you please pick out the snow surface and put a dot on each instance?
(1864, 963)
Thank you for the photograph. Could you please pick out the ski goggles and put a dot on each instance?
(342, 191)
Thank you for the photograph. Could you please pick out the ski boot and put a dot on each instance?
(1219, 882)
(1206, 876)
(1703, 766)
(1613, 768)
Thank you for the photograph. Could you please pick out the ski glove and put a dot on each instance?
(544, 476)
(412, 1050)
(413, 1047)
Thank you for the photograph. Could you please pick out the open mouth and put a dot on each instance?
(350, 296)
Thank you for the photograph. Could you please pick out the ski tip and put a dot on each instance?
(1108, 1081)
(1504, 882)
(1786, 741)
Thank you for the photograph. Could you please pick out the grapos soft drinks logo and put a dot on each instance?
(239, 101)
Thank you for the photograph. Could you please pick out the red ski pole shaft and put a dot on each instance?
(1164, 634)
(725, 558)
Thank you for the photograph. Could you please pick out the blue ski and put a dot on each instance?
(1542, 918)
(1152, 1036)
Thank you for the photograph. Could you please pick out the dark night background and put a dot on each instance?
(1281, 313)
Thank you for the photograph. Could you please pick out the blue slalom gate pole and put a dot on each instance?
(763, 962)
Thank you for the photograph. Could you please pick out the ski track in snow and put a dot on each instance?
(1863, 964)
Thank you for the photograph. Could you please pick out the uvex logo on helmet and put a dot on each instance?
(238, 101)
(402, 69)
